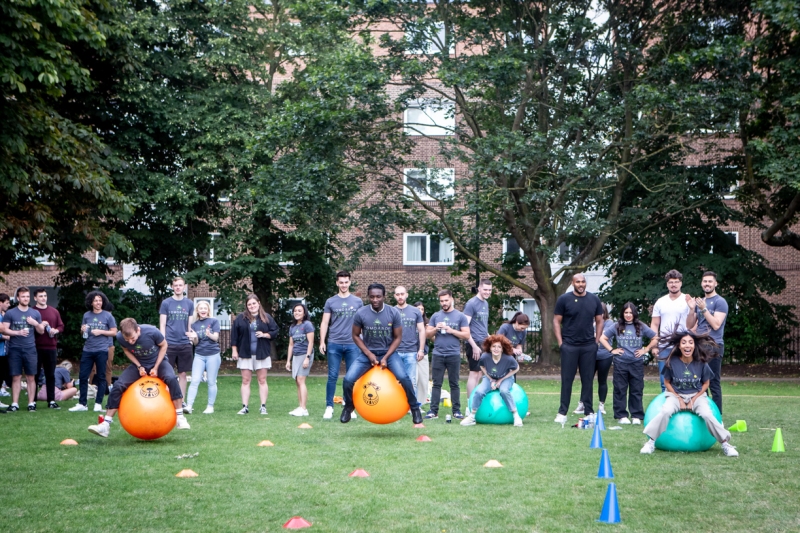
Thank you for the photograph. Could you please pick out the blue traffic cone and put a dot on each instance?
(610, 512)
(598, 421)
(605, 471)
(597, 441)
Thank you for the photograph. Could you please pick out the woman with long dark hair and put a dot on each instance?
(628, 362)
(686, 377)
(98, 327)
(301, 354)
(251, 343)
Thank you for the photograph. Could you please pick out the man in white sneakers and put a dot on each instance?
(669, 316)
(146, 347)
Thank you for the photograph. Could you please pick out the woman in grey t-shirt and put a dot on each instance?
(301, 355)
(204, 335)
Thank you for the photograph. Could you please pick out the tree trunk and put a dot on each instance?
(546, 300)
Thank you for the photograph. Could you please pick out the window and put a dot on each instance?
(426, 40)
(209, 255)
(45, 260)
(431, 183)
(511, 246)
(422, 249)
(101, 258)
(429, 117)
(733, 236)
(530, 308)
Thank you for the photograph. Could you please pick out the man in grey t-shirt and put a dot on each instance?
(477, 312)
(710, 314)
(174, 326)
(412, 347)
(447, 327)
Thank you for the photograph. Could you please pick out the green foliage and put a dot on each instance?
(756, 328)
(59, 199)
(72, 306)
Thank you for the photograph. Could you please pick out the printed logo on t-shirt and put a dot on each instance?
(179, 313)
(377, 330)
(370, 395)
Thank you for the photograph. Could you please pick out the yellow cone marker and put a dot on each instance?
(304, 426)
(186, 473)
(69, 442)
(265, 443)
(491, 463)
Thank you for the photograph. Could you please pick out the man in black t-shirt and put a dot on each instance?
(578, 325)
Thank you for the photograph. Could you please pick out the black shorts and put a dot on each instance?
(180, 356)
(474, 364)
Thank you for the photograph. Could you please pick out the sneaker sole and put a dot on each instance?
(97, 433)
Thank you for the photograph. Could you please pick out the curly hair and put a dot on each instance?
(107, 306)
(504, 342)
(704, 346)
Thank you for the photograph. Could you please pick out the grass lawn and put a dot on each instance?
(548, 483)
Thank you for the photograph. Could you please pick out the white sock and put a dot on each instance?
(108, 419)
(179, 411)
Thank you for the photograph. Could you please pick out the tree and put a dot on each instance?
(573, 125)
(59, 198)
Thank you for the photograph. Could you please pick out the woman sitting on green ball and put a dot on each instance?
(498, 365)
(686, 377)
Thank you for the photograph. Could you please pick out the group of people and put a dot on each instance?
(686, 335)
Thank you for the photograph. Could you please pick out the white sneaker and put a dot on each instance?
(729, 450)
(187, 409)
(2, 405)
(243, 411)
(182, 423)
(78, 407)
(517, 421)
(602, 407)
(328, 413)
(637, 422)
(580, 409)
(4, 392)
(209, 410)
(469, 420)
(101, 429)
(649, 446)
(560, 419)
(624, 421)
(353, 415)
(98, 408)
(263, 410)
(299, 412)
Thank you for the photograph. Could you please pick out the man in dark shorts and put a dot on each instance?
(174, 323)
(477, 312)
(381, 327)
(578, 325)
(146, 347)
(19, 324)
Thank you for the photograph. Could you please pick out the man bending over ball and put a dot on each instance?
(145, 346)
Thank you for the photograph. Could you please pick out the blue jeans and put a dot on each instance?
(661, 364)
(211, 364)
(88, 359)
(360, 367)
(410, 362)
(336, 352)
(485, 387)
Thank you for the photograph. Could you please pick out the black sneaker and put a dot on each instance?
(31, 407)
(53, 405)
(346, 413)
(430, 415)
(13, 408)
(458, 415)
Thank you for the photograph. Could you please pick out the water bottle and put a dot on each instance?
(86, 333)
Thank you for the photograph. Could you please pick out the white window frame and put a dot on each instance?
(505, 247)
(45, 260)
(428, 254)
(431, 46)
(210, 260)
(735, 234)
(431, 174)
(109, 260)
(434, 128)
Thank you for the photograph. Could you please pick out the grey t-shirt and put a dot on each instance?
(102, 320)
(19, 321)
(145, 349)
(629, 341)
(61, 374)
(478, 311)
(602, 353)
(205, 346)
(299, 334)
(445, 344)
(687, 379)
(376, 327)
(178, 313)
(500, 368)
(411, 317)
(714, 304)
(514, 337)
(342, 310)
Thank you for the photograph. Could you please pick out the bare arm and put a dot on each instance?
(462, 334)
(557, 328)
(162, 324)
(162, 351)
(691, 318)
(422, 339)
(476, 351)
(598, 327)
(430, 331)
(655, 325)
(607, 345)
(323, 332)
